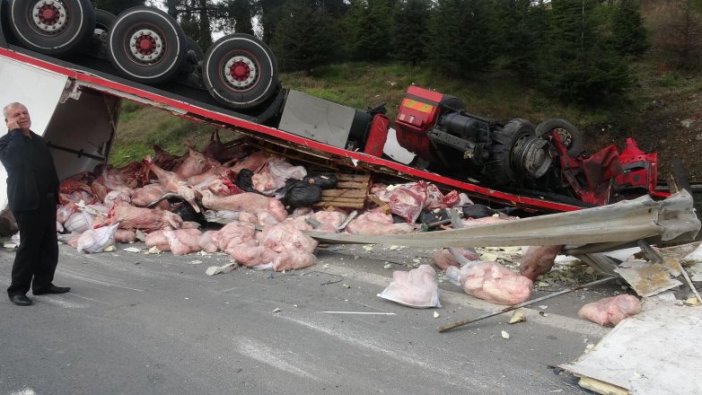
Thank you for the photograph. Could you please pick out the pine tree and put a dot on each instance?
(240, 13)
(304, 37)
(583, 68)
(460, 36)
(368, 29)
(629, 35)
(409, 30)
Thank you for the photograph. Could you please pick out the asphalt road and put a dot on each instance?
(156, 324)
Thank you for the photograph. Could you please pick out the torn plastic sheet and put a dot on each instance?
(601, 228)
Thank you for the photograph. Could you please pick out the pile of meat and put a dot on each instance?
(165, 200)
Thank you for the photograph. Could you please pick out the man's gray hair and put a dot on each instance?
(7, 108)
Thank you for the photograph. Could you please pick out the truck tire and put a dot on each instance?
(570, 135)
(52, 27)
(146, 45)
(240, 71)
(98, 43)
(499, 168)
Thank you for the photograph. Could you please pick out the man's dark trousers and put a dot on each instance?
(37, 255)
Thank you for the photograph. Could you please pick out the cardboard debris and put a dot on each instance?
(653, 353)
(517, 316)
(648, 278)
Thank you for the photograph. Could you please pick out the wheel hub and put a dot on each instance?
(146, 45)
(530, 156)
(240, 72)
(49, 16)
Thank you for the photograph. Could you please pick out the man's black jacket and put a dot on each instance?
(31, 174)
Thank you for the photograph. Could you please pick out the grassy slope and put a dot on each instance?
(652, 114)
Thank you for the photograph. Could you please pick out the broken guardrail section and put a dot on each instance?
(591, 230)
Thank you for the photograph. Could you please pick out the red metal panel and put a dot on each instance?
(377, 135)
(213, 116)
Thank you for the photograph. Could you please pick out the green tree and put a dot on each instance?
(409, 30)
(240, 13)
(304, 37)
(460, 36)
(629, 36)
(368, 29)
(583, 68)
(679, 35)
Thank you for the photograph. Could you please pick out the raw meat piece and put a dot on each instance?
(329, 220)
(294, 248)
(125, 236)
(376, 223)
(194, 163)
(253, 162)
(190, 225)
(273, 176)
(610, 311)
(174, 183)
(165, 160)
(416, 288)
(494, 219)
(206, 243)
(77, 197)
(538, 260)
(96, 240)
(407, 201)
(130, 217)
(443, 258)
(183, 241)
(492, 282)
(117, 195)
(78, 182)
(233, 234)
(142, 197)
(157, 239)
(247, 201)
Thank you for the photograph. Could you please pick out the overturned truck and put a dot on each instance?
(142, 54)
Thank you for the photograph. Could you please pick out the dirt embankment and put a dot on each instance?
(670, 125)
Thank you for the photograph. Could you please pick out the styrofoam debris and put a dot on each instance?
(196, 262)
(277, 310)
(505, 335)
(436, 314)
(132, 249)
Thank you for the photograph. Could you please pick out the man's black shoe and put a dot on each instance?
(21, 300)
(52, 289)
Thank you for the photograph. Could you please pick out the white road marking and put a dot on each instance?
(273, 357)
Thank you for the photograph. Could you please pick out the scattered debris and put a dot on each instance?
(213, 270)
(505, 335)
(132, 249)
(653, 353)
(517, 316)
(436, 314)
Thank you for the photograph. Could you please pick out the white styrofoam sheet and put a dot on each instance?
(656, 352)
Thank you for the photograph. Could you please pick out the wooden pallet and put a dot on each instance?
(350, 192)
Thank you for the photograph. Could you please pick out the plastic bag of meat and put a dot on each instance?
(78, 222)
(610, 311)
(415, 288)
(491, 281)
(96, 240)
(443, 258)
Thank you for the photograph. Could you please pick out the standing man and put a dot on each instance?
(32, 191)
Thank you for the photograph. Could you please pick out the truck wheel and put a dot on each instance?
(571, 137)
(240, 71)
(146, 45)
(52, 27)
(103, 23)
(500, 167)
